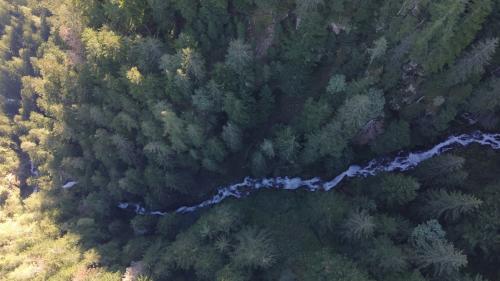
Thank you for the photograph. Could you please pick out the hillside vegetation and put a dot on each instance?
(159, 102)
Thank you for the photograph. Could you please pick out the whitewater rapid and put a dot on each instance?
(400, 163)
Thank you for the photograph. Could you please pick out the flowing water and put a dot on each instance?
(34, 174)
(402, 162)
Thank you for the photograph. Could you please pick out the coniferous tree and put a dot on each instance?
(286, 144)
(433, 170)
(255, 249)
(474, 61)
(232, 135)
(324, 265)
(385, 257)
(379, 49)
(396, 136)
(398, 190)
(432, 250)
(336, 84)
(358, 225)
(306, 6)
(239, 56)
(449, 205)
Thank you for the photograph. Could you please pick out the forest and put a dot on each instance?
(160, 102)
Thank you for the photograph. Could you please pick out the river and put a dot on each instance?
(401, 162)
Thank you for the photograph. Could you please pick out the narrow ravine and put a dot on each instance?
(402, 162)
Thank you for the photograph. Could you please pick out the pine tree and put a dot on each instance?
(327, 210)
(432, 250)
(232, 135)
(397, 190)
(395, 137)
(474, 61)
(441, 256)
(259, 165)
(239, 109)
(313, 115)
(444, 170)
(379, 49)
(486, 98)
(449, 205)
(360, 109)
(255, 249)
(103, 47)
(239, 56)
(326, 265)
(147, 52)
(358, 225)
(304, 7)
(286, 144)
(219, 221)
(336, 84)
(385, 257)
(232, 273)
(184, 251)
(209, 98)
(214, 153)
(432, 41)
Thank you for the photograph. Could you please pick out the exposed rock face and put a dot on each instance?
(411, 76)
(369, 132)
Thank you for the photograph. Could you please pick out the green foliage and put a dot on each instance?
(474, 61)
(360, 109)
(238, 56)
(441, 256)
(220, 220)
(397, 190)
(336, 84)
(379, 49)
(314, 115)
(358, 225)
(142, 224)
(332, 138)
(159, 102)
(485, 99)
(395, 137)
(255, 249)
(386, 257)
(442, 170)
(324, 265)
(449, 205)
(231, 134)
(229, 273)
(286, 144)
(103, 46)
(432, 250)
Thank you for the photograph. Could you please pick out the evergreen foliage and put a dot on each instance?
(159, 102)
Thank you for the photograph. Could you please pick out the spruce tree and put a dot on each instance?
(255, 249)
(449, 205)
(474, 61)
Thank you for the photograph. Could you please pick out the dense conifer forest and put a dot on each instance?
(159, 102)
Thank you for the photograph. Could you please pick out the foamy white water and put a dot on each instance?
(69, 184)
(34, 173)
(399, 163)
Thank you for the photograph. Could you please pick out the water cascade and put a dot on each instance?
(402, 162)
